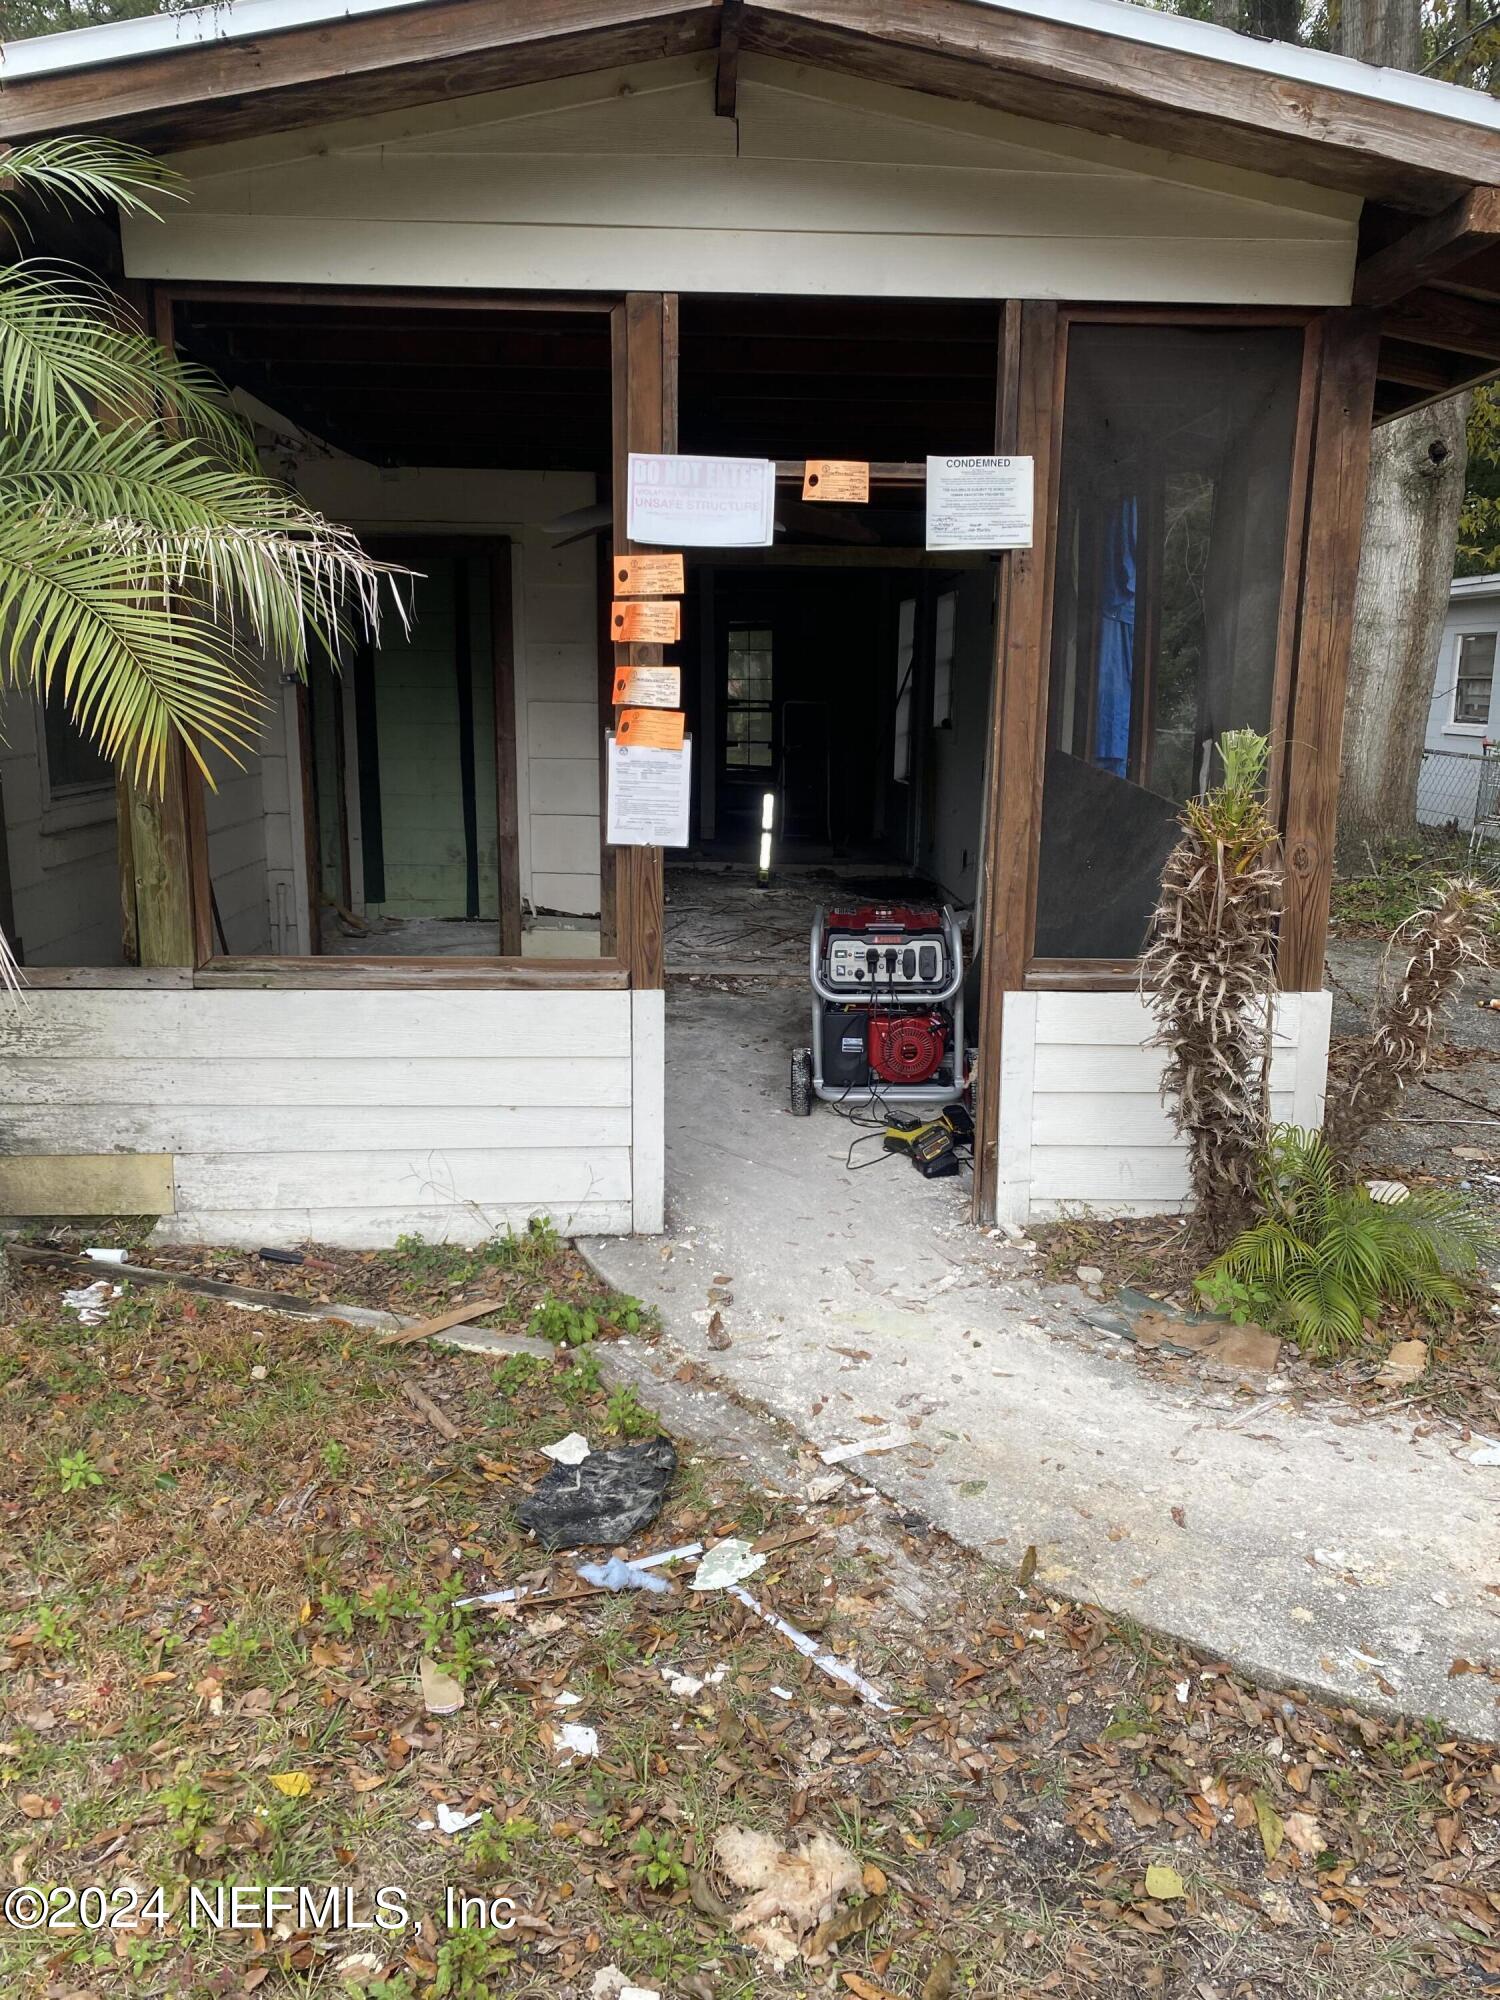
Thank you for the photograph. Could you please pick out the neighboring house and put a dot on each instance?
(1465, 713)
(458, 259)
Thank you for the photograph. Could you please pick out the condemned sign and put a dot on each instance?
(649, 794)
(648, 687)
(649, 576)
(979, 503)
(836, 479)
(655, 621)
(703, 503)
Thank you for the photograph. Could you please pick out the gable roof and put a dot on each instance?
(1105, 65)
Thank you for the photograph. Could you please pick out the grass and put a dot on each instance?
(213, 1658)
(1397, 881)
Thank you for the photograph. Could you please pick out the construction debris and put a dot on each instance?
(796, 1891)
(456, 1316)
(889, 1439)
(727, 1562)
(611, 1496)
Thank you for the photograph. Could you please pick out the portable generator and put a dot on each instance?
(887, 1009)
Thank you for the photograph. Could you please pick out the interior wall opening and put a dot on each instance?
(437, 795)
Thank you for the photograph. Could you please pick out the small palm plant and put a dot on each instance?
(1442, 940)
(1208, 973)
(147, 565)
(1323, 1257)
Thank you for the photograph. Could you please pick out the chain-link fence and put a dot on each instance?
(1451, 787)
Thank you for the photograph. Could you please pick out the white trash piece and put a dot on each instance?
(571, 1450)
(92, 1302)
(727, 1562)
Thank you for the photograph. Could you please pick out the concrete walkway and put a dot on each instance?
(1324, 1549)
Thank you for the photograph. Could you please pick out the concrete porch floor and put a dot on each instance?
(1320, 1547)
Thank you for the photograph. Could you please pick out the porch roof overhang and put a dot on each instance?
(1424, 155)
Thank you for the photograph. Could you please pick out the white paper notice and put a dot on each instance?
(979, 503)
(649, 795)
(701, 503)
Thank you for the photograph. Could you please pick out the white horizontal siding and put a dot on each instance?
(346, 1117)
(821, 184)
(1082, 1124)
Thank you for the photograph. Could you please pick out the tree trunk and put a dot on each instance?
(1406, 566)
(1388, 32)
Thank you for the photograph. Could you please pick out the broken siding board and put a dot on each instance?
(352, 1079)
(86, 1184)
(378, 1228)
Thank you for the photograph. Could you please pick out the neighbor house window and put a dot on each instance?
(74, 763)
(1475, 678)
(747, 706)
(1171, 539)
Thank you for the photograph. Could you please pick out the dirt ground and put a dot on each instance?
(232, 1539)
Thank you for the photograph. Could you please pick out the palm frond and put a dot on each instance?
(90, 172)
(69, 350)
(181, 525)
(132, 671)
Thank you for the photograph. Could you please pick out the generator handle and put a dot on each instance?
(840, 997)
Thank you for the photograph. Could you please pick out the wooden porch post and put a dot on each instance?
(1029, 421)
(1325, 617)
(165, 911)
(644, 346)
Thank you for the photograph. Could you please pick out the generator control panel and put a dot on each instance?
(884, 950)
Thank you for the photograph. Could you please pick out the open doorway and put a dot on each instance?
(838, 683)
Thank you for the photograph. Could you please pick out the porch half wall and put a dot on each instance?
(1082, 1126)
(339, 1117)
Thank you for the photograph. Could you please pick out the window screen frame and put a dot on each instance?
(1462, 724)
(749, 768)
(1044, 974)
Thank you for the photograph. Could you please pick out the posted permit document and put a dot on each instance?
(649, 795)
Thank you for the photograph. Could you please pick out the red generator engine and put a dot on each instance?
(887, 1009)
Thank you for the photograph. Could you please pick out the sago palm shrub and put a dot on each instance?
(1323, 1257)
(1208, 973)
(1442, 940)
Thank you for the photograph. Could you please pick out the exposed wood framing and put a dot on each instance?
(516, 975)
(1330, 569)
(727, 72)
(1430, 248)
(1029, 421)
(645, 419)
(161, 915)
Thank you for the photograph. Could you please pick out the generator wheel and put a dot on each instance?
(802, 1090)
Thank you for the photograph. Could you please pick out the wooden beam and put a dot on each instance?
(203, 93)
(1325, 616)
(1072, 75)
(645, 419)
(727, 72)
(1431, 249)
(1029, 422)
(1452, 321)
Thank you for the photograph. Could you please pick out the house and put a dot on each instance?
(1464, 717)
(459, 259)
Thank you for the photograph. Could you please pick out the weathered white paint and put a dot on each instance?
(1081, 1120)
(350, 1117)
(648, 1071)
(625, 179)
(64, 874)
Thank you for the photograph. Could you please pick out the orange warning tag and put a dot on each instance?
(648, 576)
(835, 479)
(646, 621)
(651, 728)
(649, 687)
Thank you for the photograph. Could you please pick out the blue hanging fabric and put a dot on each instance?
(1116, 664)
